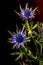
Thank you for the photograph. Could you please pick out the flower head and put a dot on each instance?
(27, 13)
(18, 39)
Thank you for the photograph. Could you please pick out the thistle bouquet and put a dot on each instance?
(31, 33)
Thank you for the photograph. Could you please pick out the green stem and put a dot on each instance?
(40, 49)
(27, 25)
(36, 47)
(20, 63)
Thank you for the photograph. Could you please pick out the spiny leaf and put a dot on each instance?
(18, 57)
(35, 26)
(15, 53)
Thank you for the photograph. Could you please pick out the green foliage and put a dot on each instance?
(25, 51)
(36, 37)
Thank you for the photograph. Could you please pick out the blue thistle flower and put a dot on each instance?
(18, 39)
(27, 13)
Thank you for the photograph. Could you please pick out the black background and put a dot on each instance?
(10, 24)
